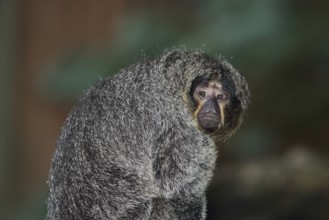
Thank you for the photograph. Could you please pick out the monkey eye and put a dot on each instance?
(222, 97)
(202, 94)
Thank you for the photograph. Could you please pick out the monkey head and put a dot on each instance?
(219, 99)
(216, 95)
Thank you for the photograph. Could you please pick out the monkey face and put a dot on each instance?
(210, 101)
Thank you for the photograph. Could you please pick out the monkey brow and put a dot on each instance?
(201, 80)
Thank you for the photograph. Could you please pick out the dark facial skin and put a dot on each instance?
(210, 102)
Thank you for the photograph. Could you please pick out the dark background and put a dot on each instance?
(275, 167)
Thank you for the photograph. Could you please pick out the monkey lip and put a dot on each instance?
(210, 120)
(209, 117)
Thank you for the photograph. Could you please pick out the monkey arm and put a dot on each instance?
(183, 166)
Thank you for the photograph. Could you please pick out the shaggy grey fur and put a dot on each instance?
(131, 148)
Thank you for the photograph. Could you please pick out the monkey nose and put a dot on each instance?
(211, 106)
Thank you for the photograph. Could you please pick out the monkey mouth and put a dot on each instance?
(210, 122)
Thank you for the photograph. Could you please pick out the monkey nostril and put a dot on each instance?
(210, 111)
